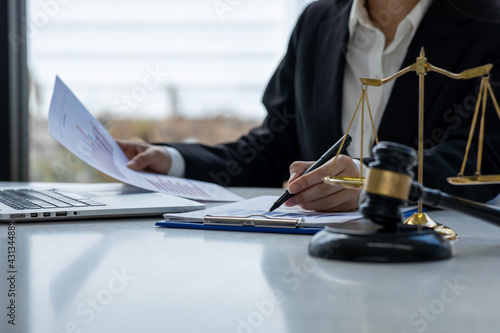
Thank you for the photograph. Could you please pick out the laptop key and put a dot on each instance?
(49, 199)
(72, 202)
(93, 203)
(8, 195)
(32, 199)
(11, 204)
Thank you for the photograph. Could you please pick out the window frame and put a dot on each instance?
(13, 91)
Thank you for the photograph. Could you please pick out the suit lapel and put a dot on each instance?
(445, 36)
(326, 105)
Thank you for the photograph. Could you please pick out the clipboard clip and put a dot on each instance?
(252, 220)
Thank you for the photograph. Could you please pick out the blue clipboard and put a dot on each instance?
(250, 223)
(201, 226)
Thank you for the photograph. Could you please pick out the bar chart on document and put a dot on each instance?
(76, 129)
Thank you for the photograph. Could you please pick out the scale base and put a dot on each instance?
(423, 220)
(404, 244)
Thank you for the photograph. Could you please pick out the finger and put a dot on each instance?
(142, 160)
(129, 150)
(341, 201)
(297, 169)
(124, 144)
(312, 193)
(132, 148)
(306, 181)
(155, 159)
(344, 165)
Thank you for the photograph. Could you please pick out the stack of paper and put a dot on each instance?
(261, 205)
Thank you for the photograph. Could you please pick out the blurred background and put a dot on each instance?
(152, 70)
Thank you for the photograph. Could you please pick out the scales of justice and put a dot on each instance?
(419, 220)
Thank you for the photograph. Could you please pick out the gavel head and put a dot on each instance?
(388, 183)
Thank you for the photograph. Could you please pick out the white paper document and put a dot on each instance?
(261, 205)
(76, 129)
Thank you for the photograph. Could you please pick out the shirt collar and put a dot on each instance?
(359, 14)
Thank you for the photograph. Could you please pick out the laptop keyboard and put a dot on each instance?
(21, 199)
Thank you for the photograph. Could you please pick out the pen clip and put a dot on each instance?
(252, 220)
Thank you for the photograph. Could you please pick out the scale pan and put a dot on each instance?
(474, 180)
(347, 182)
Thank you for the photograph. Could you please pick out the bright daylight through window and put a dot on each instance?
(154, 70)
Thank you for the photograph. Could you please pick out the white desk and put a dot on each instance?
(129, 276)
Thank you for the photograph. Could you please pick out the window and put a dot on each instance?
(159, 70)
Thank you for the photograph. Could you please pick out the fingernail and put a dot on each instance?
(292, 177)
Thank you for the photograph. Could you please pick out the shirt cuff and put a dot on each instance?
(178, 167)
(362, 194)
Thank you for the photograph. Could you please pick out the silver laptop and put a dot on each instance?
(36, 202)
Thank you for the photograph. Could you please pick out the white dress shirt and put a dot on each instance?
(367, 56)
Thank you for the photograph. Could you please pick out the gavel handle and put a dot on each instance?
(436, 198)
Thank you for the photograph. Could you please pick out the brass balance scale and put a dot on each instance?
(421, 67)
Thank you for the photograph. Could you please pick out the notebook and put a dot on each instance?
(38, 202)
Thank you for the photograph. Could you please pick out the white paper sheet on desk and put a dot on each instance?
(261, 205)
(76, 129)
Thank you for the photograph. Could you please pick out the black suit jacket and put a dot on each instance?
(304, 98)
